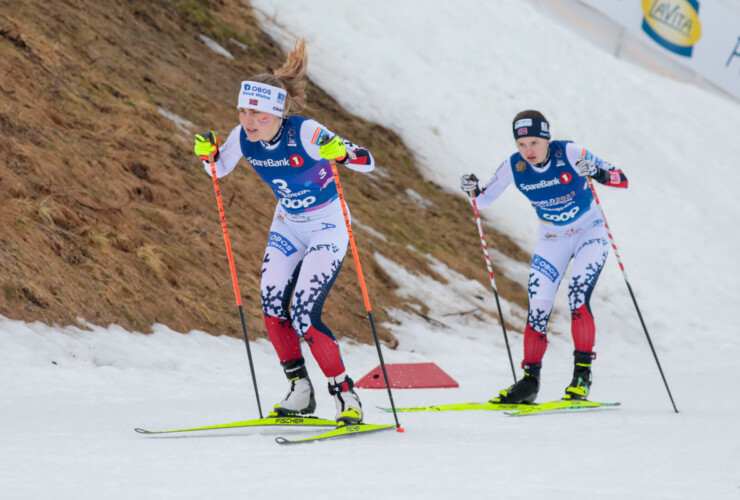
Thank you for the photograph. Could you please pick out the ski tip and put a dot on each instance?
(281, 440)
(142, 431)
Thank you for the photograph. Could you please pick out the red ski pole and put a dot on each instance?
(233, 276)
(361, 278)
(493, 281)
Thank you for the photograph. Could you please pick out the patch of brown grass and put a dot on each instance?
(109, 216)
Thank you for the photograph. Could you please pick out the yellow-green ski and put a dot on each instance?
(560, 405)
(487, 406)
(340, 432)
(292, 421)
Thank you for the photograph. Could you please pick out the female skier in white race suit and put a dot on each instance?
(308, 237)
(553, 176)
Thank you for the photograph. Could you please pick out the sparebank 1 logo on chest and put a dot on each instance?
(673, 24)
(295, 161)
(281, 162)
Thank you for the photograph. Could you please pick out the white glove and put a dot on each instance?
(468, 183)
(586, 168)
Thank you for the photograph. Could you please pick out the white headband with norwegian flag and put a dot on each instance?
(262, 97)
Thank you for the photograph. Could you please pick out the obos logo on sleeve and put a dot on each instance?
(674, 24)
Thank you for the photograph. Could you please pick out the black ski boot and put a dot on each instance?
(581, 384)
(525, 390)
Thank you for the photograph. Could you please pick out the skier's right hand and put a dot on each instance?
(469, 183)
(207, 144)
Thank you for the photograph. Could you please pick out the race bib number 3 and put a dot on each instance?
(289, 199)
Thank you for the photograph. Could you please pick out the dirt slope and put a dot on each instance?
(107, 214)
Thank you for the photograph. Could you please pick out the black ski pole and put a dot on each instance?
(629, 287)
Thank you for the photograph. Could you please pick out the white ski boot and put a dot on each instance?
(349, 408)
(300, 399)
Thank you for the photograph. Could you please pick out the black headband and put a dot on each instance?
(531, 127)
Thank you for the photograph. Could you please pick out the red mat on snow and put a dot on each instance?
(408, 376)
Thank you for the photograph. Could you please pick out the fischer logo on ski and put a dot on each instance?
(303, 421)
(340, 432)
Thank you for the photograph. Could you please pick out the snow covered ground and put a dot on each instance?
(449, 77)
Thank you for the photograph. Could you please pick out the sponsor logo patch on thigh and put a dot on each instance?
(282, 243)
(544, 267)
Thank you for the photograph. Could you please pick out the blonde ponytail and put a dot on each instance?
(290, 76)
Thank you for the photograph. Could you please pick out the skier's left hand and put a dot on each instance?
(586, 168)
(333, 150)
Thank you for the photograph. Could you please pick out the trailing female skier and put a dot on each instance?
(308, 237)
(553, 175)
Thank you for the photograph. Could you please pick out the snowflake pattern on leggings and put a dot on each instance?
(538, 320)
(533, 284)
(265, 261)
(307, 304)
(275, 302)
(581, 286)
